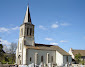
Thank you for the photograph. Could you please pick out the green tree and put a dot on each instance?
(13, 47)
(78, 57)
(1, 52)
(82, 62)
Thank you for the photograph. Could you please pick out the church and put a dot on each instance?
(29, 52)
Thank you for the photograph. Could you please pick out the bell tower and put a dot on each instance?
(26, 38)
(27, 29)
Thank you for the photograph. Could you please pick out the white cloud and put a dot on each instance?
(3, 29)
(54, 43)
(15, 28)
(64, 24)
(42, 27)
(55, 26)
(4, 42)
(63, 41)
(6, 45)
(49, 39)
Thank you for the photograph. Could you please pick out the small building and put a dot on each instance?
(29, 52)
(73, 53)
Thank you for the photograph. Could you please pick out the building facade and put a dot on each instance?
(73, 53)
(29, 52)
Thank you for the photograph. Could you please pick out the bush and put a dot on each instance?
(3, 62)
(9, 62)
(82, 62)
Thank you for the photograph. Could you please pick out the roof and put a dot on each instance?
(48, 47)
(82, 52)
(27, 17)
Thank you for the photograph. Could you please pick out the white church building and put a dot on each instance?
(29, 52)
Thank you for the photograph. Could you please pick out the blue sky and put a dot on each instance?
(58, 22)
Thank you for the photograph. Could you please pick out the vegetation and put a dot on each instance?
(8, 57)
(82, 62)
(1, 52)
(13, 47)
(78, 58)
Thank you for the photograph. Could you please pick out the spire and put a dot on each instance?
(27, 18)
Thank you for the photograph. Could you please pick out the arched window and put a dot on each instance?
(51, 58)
(41, 58)
(27, 31)
(30, 31)
(67, 58)
(30, 59)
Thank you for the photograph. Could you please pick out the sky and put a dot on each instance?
(57, 22)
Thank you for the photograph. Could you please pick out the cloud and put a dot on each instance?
(63, 41)
(4, 42)
(3, 29)
(64, 24)
(16, 28)
(49, 39)
(54, 43)
(55, 26)
(42, 27)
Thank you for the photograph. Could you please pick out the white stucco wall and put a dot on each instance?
(20, 43)
(59, 59)
(31, 53)
(70, 52)
(17, 56)
(24, 55)
(20, 51)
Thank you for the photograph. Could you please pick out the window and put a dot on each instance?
(51, 58)
(67, 58)
(27, 31)
(30, 59)
(41, 58)
(25, 42)
(30, 31)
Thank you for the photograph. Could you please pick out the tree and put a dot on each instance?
(1, 52)
(78, 57)
(13, 47)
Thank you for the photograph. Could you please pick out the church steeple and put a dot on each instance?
(27, 30)
(27, 18)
